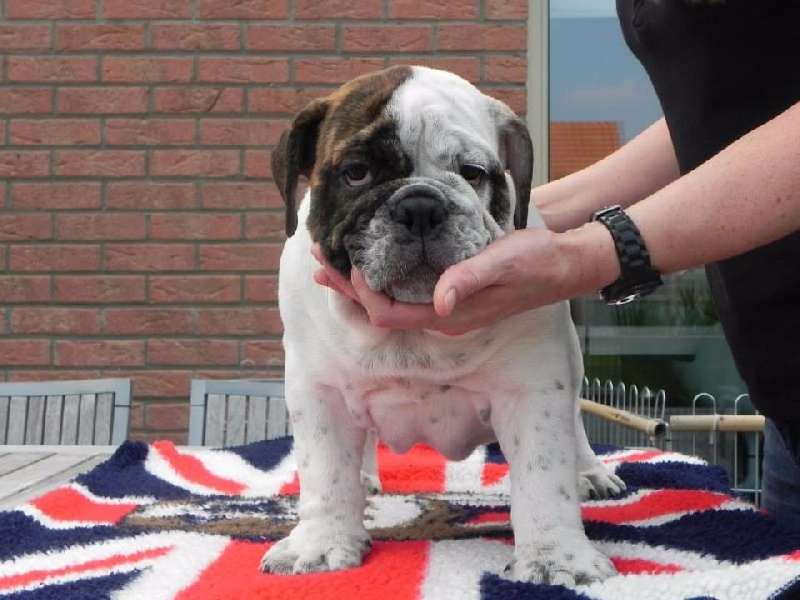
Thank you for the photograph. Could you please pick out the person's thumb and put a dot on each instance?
(462, 280)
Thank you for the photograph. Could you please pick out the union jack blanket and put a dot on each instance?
(157, 522)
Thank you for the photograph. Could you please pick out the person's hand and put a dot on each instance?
(519, 272)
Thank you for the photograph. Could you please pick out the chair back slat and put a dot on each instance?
(17, 414)
(215, 420)
(103, 420)
(257, 418)
(86, 416)
(70, 418)
(236, 420)
(54, 407)
(278, 418)
(4, 402)
(34, 426)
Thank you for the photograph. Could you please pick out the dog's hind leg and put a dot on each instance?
(594, 478)
(370, 477)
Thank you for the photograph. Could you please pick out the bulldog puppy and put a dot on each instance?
(412, 170)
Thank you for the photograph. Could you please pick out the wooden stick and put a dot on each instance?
(652, 427)
(742, 423)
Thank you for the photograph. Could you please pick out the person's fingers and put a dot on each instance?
(373, 301)
(331, 277)
(386, 312)
(316, 252)
(463, 279)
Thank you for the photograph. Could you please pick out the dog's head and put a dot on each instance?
(408, 174)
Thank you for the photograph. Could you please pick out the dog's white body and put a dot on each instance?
(516, 382)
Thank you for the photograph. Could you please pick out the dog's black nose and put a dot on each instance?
(421, 215)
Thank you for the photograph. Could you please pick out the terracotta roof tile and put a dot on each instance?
(577, 144)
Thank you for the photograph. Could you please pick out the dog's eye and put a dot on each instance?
(357, 174)
(473, 174)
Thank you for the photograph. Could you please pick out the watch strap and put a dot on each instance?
(637, 275)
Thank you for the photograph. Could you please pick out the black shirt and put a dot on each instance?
(719, 71)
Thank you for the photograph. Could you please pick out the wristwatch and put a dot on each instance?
(638, 277)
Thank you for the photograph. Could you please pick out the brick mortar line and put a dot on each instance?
(143, 337)
(142, 274)
(143, 179)
(288, 20)
(273, 55)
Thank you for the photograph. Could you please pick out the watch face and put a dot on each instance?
(623, 300)
(628, 293)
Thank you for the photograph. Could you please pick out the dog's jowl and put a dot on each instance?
(410, 171)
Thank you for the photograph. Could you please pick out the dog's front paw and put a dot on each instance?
(599, 482)
(561, 560)
(317, 546)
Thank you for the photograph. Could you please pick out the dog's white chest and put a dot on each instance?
(407, 411)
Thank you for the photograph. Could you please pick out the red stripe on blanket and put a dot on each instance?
(493, 473)
(491, 518)
(655, 504)
(292, 488)
(640, 566)
(68, 505)
(41, 576)
(193, 470)
(642, 456)
(391, 570)
(420, 470)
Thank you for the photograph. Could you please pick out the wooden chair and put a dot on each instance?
(87, 412)
(230, 412)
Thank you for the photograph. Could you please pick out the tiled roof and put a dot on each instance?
(577, 144)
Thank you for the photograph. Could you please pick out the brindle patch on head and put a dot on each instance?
(355, 106)
(355, 128)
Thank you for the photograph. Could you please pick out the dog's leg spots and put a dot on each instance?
(330, 534)
(594, 478)
(329, 545)
(556, 563)
(550, 544)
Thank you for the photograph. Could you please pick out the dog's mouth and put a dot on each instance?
(416, 287)
(408, 272)
(413, 237)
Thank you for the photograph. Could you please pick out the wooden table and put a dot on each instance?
(28, 471)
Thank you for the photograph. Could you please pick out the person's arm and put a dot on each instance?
(746, 196)
(634, 171)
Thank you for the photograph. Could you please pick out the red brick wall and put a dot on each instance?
(140, 230)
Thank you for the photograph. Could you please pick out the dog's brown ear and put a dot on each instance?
(295, 155)
(516, 153)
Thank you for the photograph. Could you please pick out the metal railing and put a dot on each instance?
(622, 415)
